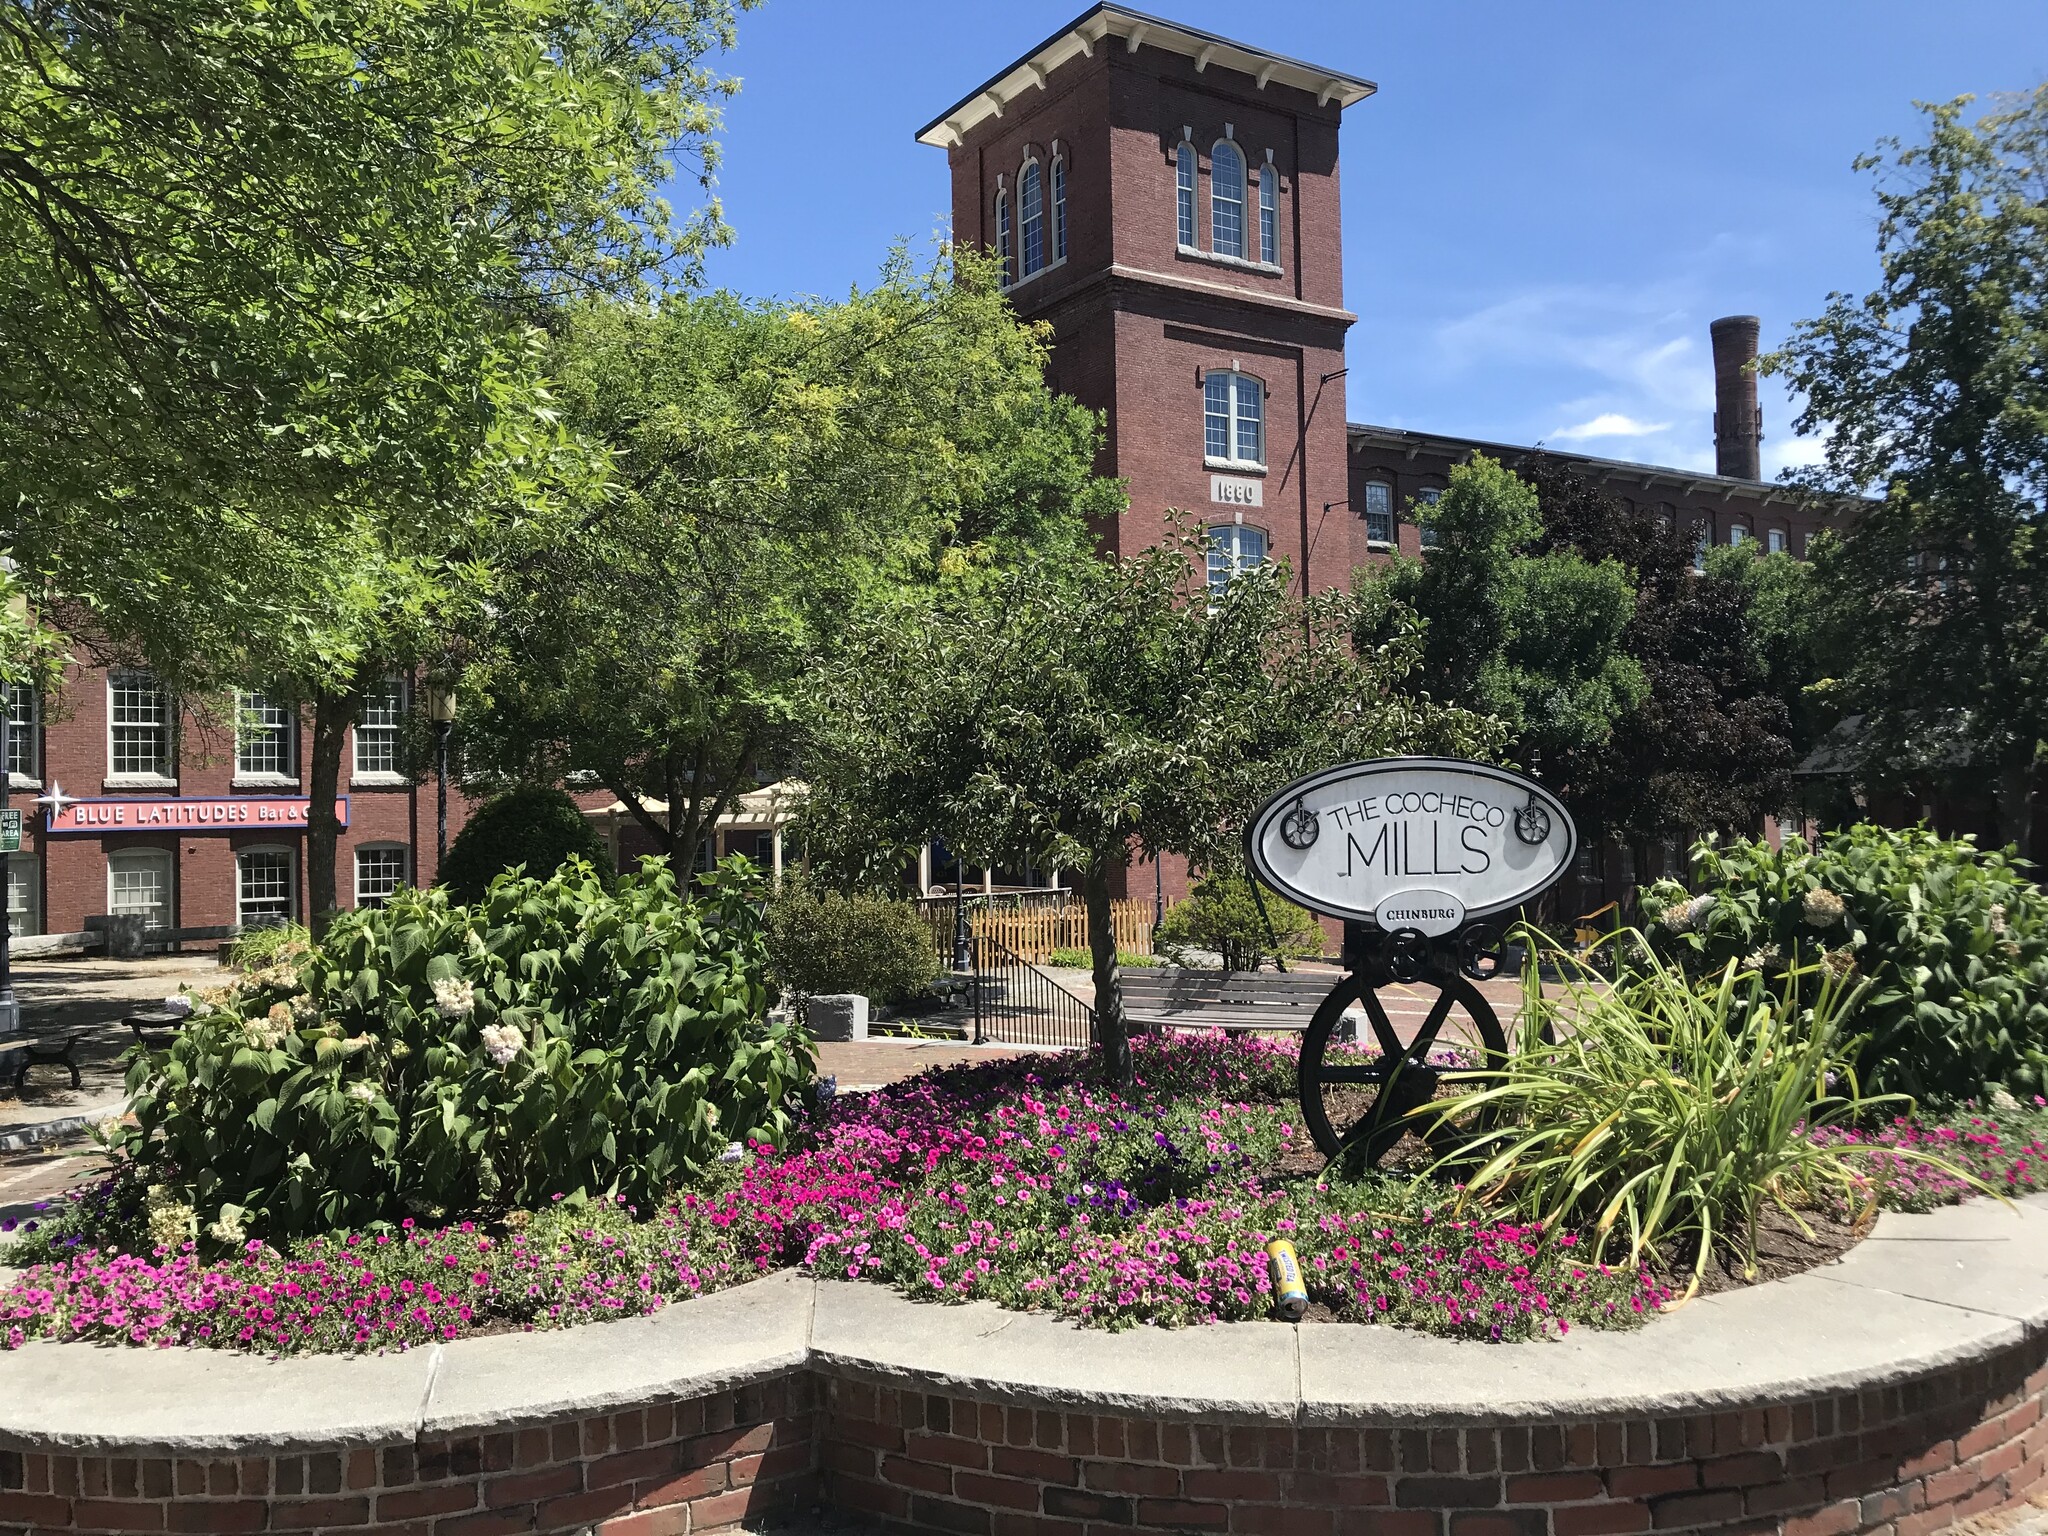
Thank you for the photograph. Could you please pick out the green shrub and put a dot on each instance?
(822, 942)
(533, 826)
(429, 1059)
(1953, 941)
(279, 942)
(1222, 916)
(1661, 1111)
(1081, 960)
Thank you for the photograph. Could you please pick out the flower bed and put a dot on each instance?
(1024, 1183)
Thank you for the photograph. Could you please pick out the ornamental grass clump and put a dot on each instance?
(435, 1061)
(1663, 1117)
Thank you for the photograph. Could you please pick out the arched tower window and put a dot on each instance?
(1059, 207)
(1030, 220)
(1233, 418)
(1226, 200)
(1003, 241)
(1269, 214)
(1184, 190)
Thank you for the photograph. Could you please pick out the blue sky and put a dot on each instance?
(1543, 206)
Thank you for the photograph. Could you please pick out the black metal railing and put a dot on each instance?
(1015, 1003)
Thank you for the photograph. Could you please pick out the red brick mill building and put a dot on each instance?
(1169, 203)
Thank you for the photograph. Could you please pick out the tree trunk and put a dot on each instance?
(2016, 808)
(1110, 1031)
(332, 714)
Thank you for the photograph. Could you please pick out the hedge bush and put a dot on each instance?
(433, 1060)
(822, 942)
(1953, 942)
(534, 826)
(1223, 917)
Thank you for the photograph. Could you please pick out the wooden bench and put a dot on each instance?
(1174, 997)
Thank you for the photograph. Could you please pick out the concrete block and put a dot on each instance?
(838, 1016)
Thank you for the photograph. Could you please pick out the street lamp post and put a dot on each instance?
(10, 1010)
(441, 711)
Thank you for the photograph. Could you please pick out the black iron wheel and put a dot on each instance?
(1356, 1103)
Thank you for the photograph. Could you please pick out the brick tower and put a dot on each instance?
(1167, 202)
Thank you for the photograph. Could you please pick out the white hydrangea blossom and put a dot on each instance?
(1822, 908)
(454, 997)
(362, 1091)
(2004, 1102)
(1676, 918)
(502, 1042)
(227, 1229)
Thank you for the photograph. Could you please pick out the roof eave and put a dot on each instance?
(1104, 25)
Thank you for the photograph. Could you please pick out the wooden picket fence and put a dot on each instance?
(1036, 934)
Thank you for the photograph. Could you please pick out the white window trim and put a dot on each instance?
(381, 778)
(383, 845)
(31, 866)
(1240, 466)
(1194, 192)
(1031, 163)
(1237, 530)
(34, 728)
(1269, 180)
(291, 864)
(1427, 539)
(265, 779)
(1058, 232)
(115, 780)
(1393, 517)
(1244, 187)
(162, 856)
(1001, 211)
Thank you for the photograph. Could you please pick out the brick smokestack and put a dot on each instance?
(1738, 428)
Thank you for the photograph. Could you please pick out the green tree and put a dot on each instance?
(1533, 637)
(1076, 713)
(1708, 744)
(269, 285)
(1932, 391)
(775, 467)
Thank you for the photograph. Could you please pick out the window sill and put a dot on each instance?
(379, 781)
(1381, 546)
(22, 781)
(1217, 259)
(265, 781)
(1234, 466)
(1051, 266)
(115, 781)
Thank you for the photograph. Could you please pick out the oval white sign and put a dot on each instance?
(1431, 912)
(1411, 832)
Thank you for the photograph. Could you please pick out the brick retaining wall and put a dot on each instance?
(661, 1470)
(1900, 1460)
(1903, 1460)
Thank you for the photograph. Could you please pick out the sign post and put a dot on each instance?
(1422, 859)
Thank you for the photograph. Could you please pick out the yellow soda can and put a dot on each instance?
(1290, 1296)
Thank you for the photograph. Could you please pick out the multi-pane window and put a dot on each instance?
(1184, 191)
(377, 728)
(139, 885)
(1269, 215)
(1379, 512)
(1059, 207)
(1031, 219)
(22, 757)
(263, 896)
(1426, 533)
(1703, 536)
(1233, 550)
(263, 736)
(24, 893)
(1234, 418)
(1226, 200)
(1737, 534)
(379, 872)
(1003, 241)
(140, 725)
(1777, 541)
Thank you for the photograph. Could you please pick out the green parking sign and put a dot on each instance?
(10, 831)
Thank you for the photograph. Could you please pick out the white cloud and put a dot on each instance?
(1609, 424)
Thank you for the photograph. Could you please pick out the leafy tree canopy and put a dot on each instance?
(1077, 712)
(1531, 636)
(775, 469)
(1932, 391)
